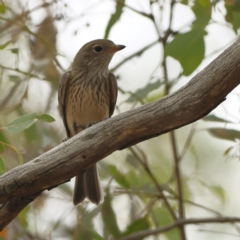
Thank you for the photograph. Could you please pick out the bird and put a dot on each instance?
(87, 94)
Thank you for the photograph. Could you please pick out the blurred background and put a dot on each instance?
(167, 43)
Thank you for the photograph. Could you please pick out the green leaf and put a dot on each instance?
(118, 177)
(45, 118)
(3, 141)
(225, 134)
(2, 8)
(202, 10)
(153, 97)
(114, 17)
(213, 118)
(2, 46)
(26, 121)
(21, 123)
(164, 218)
(95, 235)
(142, 93)
(236, 21)
(2, 166)
(217, 190)
(23, 217)
(15, 50)
(132, 160)
(109, 217)
(185, 2)
(31, 133)
(188, 48)
(232, 7)
(15, 78)
(138, 225)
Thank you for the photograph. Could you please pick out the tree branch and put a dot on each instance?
(190, 103)
(180, 222)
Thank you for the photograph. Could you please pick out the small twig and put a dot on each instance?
(147, 15)
(152, 195)
(18, 17)
(176, 156)
(154, 20)
(179, 223)
(179, 182)
(23, 72)
(219, 232)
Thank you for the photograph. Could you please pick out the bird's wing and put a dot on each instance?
(62, 92)
(113, 93)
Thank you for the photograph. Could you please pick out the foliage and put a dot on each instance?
(142, 183)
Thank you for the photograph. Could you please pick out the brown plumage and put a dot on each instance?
(87, 95)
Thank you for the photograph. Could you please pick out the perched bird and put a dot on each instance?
(87, 94)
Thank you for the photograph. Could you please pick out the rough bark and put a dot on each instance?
(196, 99)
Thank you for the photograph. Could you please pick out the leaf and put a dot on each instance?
(109, 217)
(45, 118)
(188, 48)
(15, 50)
(153, 97)
(232, 7)
(142, 93)
(217, 190)
(21, 123)
(2, 166)
(202, 10)
(213, 118)
(26, 121)
(138, 225)
(2, 8)
(185, 2)
(164, 218)
(114, 17)
(15, 78)
(132, 160)
(118, 177)
(3, 141)
(95, 235)
(23, 217)
(236, 21)
(2, 46)
(225, 134)
(31, 133)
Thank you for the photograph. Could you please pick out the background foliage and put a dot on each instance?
(167, 42)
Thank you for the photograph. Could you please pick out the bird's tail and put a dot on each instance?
(87, 184)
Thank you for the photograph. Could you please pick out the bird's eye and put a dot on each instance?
(97, 49)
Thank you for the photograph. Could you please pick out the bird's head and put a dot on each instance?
(96, 54)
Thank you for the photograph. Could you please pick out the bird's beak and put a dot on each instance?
(117, 48)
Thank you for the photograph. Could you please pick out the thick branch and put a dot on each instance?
(190, 103)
